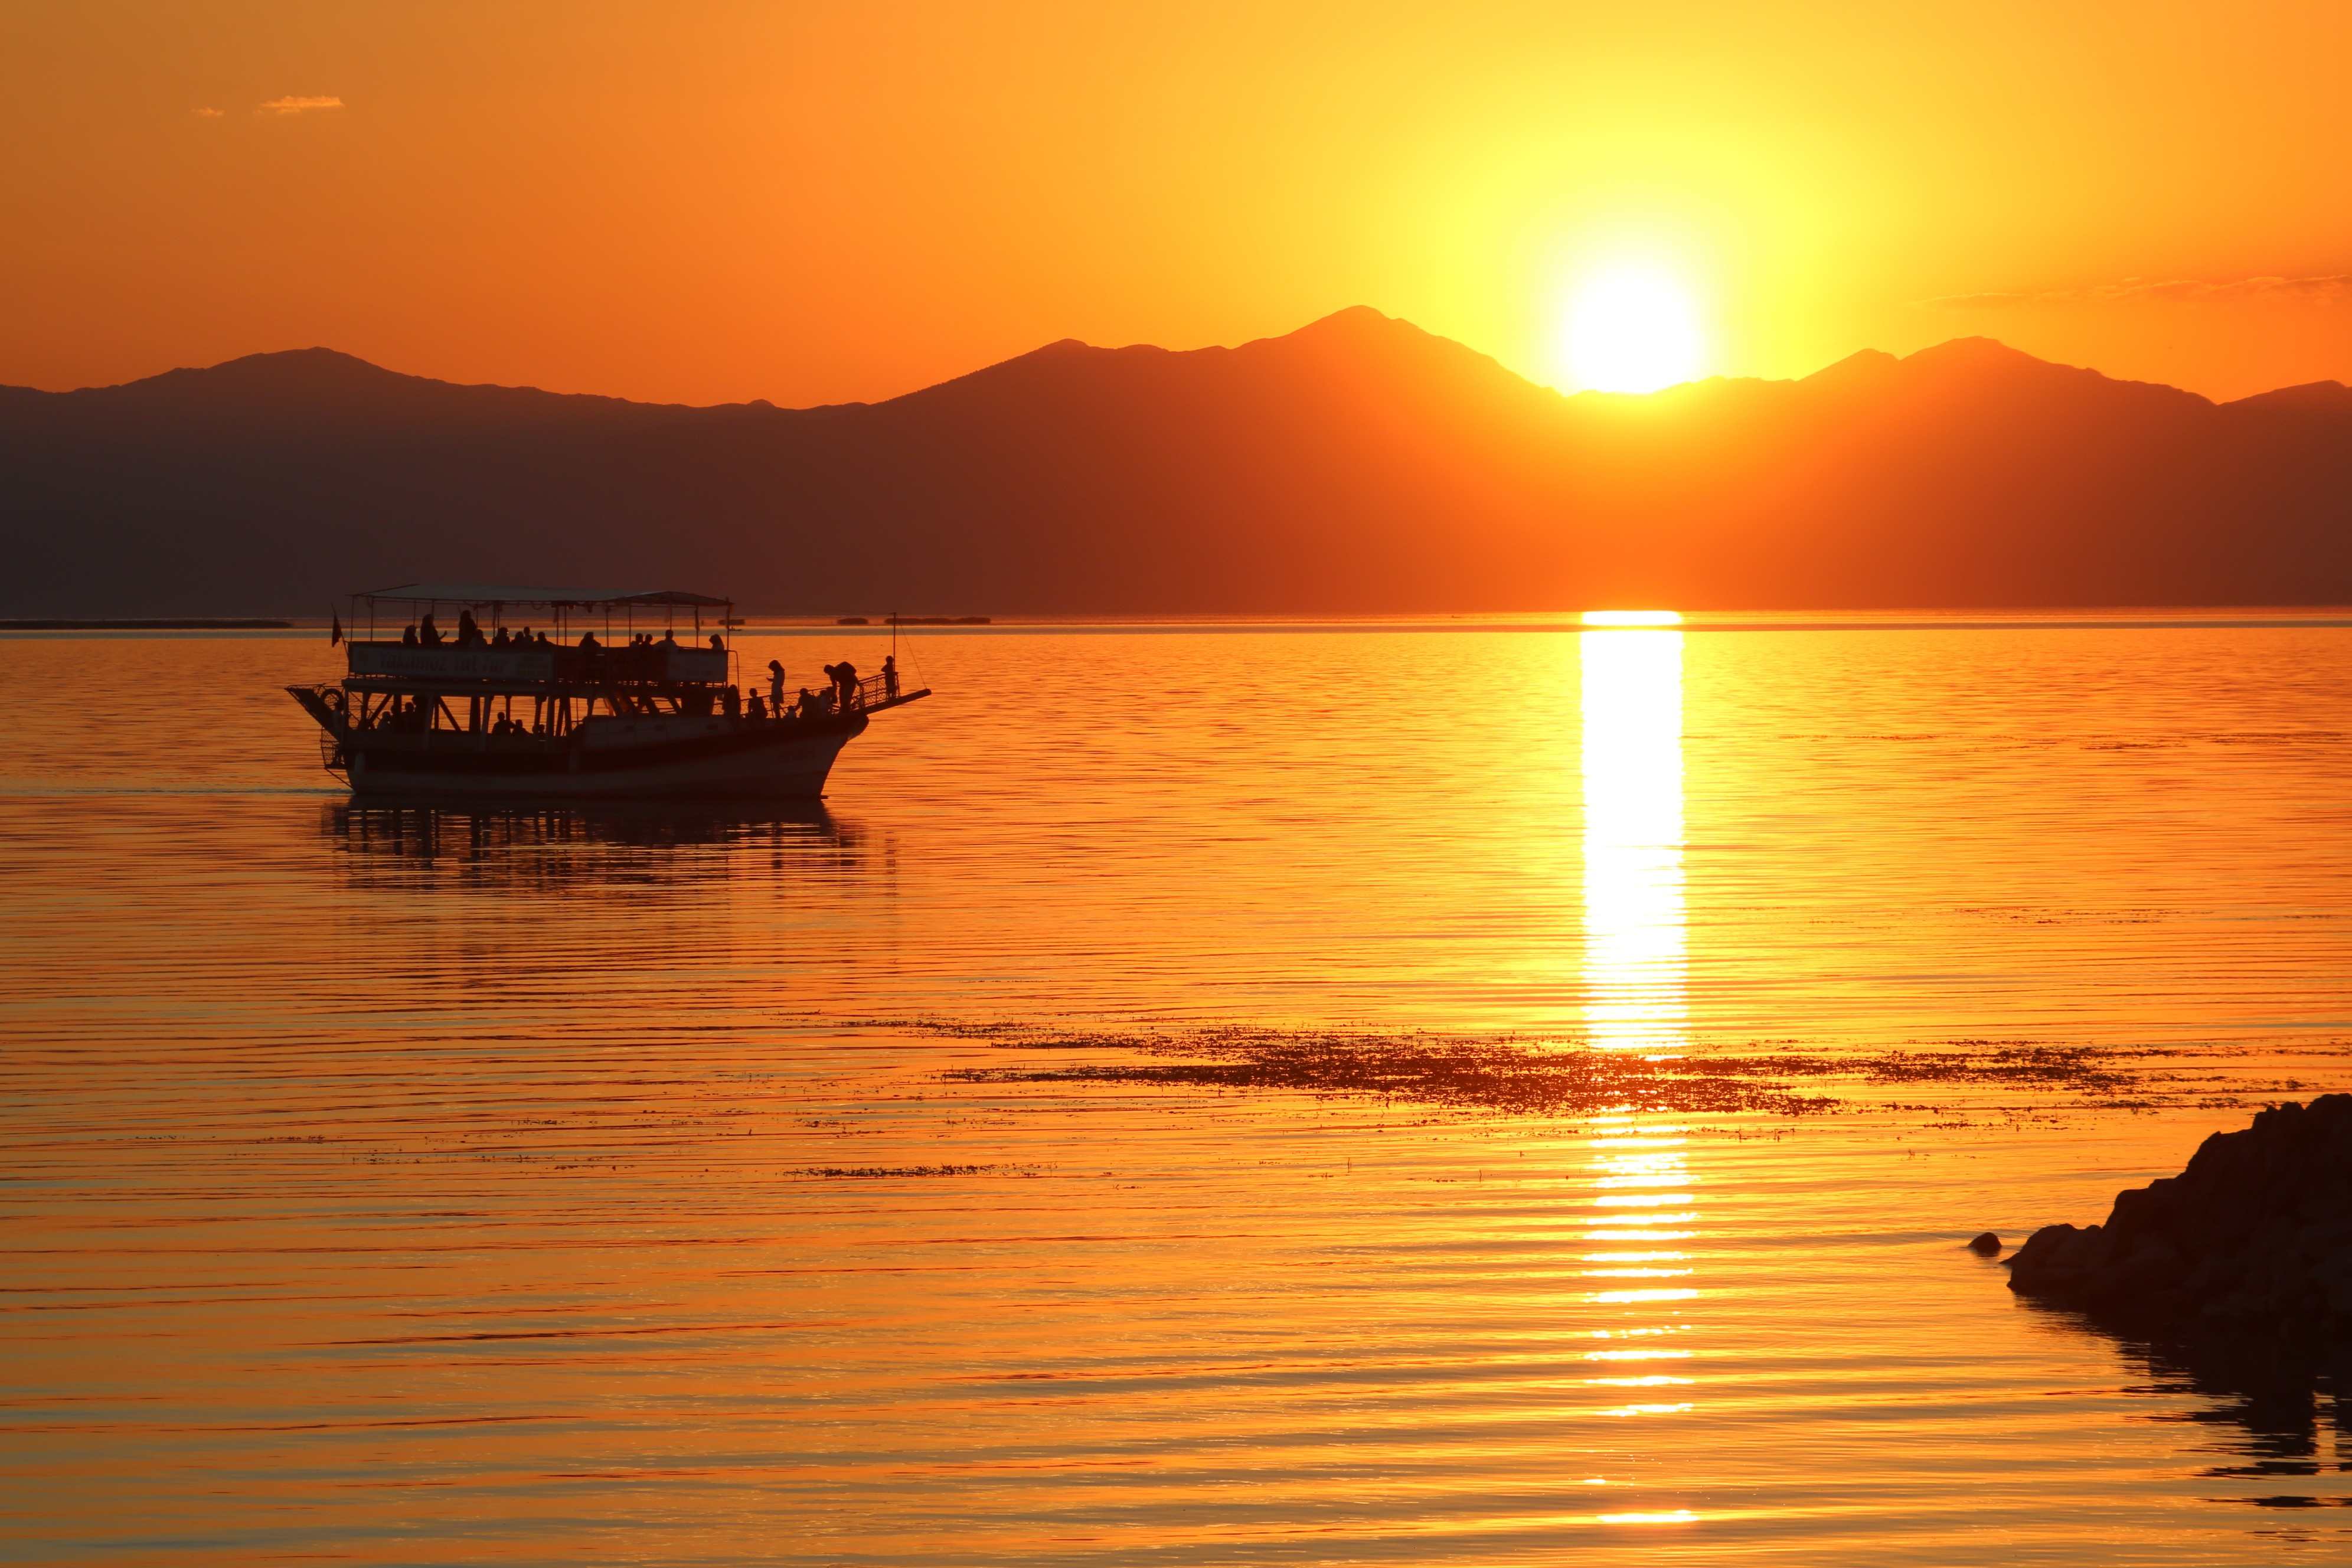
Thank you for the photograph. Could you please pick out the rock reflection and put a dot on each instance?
(2276, 1416)
(643, 844)
(2276, 1422)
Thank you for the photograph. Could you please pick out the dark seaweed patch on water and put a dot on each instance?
(1490, 1075)
(2085, 1069)
(1557, 1076)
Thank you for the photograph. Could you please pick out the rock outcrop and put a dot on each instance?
(2251, 1245)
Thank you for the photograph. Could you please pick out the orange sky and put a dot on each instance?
(812, 203)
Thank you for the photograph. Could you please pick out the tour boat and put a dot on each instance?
(551, 693)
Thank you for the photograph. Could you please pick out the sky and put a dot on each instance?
(813, 203)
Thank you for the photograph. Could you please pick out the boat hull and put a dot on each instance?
(777, 761)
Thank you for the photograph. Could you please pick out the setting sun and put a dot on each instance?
(1631, 329)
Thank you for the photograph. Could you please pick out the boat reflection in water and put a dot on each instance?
(496, 848)
(1638, 1186)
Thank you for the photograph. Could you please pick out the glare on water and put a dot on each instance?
(1633, 754)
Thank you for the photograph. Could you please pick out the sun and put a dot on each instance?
(1633, 329)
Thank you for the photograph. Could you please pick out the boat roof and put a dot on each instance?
(498, 593)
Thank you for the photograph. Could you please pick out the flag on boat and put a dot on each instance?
(335, 636)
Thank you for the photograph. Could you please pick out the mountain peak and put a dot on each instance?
(311, 364)
(291, 374)
(2322, 395)
(1989, 367)
(1972, 353)
(1864, 364)
(1351, 319)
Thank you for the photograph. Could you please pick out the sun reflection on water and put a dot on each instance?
(1634, 956)
(1639, 1192)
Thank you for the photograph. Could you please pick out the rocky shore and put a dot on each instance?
(2250, 1246)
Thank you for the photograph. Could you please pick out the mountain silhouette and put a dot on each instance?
(1356, 465)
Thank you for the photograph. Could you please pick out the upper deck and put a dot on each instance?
(467, 637)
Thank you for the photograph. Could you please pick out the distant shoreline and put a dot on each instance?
(2134, 619)
(181, 624)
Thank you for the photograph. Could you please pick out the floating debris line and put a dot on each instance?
(1540, 1075)
(1531, 1077)
(897, 1172)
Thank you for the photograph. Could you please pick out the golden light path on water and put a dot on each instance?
(1635, 974)
(1635, 969)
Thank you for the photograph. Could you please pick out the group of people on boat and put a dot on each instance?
(424, 633)
(841, 694)
(647, 640)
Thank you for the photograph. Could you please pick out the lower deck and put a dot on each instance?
(405, 748)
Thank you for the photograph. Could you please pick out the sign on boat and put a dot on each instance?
(558, 693)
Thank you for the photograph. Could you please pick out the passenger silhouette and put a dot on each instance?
(427, 634)
(408, 638)
(776, 684)
(890, 676)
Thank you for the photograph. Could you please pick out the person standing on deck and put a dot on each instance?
(890, 676)
(776, 685)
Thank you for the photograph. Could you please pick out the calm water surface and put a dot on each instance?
(664, 1186)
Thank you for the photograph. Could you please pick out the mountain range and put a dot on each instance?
(1358, 465)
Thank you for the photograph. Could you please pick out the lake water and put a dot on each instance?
(1059, 1150)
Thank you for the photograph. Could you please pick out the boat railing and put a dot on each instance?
(878, 691)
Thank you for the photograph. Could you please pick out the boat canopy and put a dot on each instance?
(469, 594)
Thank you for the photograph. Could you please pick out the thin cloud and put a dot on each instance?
(208, 114)
(2326, 288)
(298, 105)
